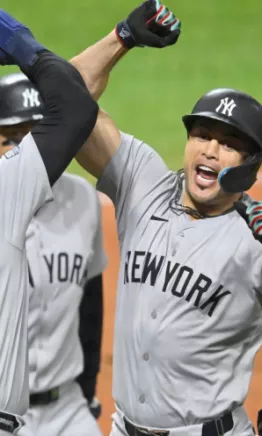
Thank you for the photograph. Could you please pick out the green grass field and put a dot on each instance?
(149, 91)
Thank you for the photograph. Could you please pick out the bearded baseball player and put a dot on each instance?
(66, 260)
(188, 315)
(27, 173)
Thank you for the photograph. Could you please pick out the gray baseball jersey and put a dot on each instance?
(64, 249)
(24, 187)
(188, 317)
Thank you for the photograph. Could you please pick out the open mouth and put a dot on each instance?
(206, 175)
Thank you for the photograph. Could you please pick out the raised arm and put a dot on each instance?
(72, 111)
(28, 170)
(151, 25)
(105, 140)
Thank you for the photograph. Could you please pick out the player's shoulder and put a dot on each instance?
(77, 181)
(139, 146)
(81, 190)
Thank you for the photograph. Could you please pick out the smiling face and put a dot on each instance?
(211, 147)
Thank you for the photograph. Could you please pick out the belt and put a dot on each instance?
(9, 423)
(217, 427)
(44, 398)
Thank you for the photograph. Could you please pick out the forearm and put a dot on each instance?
(96, 62)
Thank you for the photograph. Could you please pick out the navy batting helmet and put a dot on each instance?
(244, 113)
(20, 101)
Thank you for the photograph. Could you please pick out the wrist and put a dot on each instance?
(115, 47)
(124, 35)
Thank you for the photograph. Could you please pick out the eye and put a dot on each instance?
(227, 146)
(204, 137)
(200, 134)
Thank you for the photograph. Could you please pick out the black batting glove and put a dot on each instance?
(253, 217)
(149, 25)
(95, 407)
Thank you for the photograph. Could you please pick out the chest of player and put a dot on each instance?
(58, 255)
(185, 269)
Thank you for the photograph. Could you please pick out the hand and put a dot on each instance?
(151, 25)
(17, 44)
(253, 217)
(95, 407)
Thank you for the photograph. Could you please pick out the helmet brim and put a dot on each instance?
(189, 120)
(16, 120)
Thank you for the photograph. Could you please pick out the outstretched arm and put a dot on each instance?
(151, 25)
(103, 56)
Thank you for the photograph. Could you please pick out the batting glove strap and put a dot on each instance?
(124, 35)
(17, 43)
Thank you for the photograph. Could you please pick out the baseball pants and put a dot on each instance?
(68, 416)
(242, 426)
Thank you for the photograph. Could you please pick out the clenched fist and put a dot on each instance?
(150, 25)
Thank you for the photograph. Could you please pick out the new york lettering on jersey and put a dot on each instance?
(142, 267)
(64, 267)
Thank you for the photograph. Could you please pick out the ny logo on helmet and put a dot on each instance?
(31, 98)
(226, 106)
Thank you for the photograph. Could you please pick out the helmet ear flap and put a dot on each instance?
(239, 179)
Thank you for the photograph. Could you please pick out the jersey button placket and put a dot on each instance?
(154, 314)
(142, 399)
(146, 357)
(176, 241)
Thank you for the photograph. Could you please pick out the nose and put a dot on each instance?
(211, 150)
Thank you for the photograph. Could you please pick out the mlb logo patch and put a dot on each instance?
(13, 152)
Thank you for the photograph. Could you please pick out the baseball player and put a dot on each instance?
(65, 257)
(27, 172)
(188, 316)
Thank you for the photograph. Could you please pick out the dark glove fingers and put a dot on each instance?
(166, 19)
(151, 9)
(171, 38)
(255, 223)
(167, 28)
(254, 212)
(254, 206)
(159, 15)
(176, 25)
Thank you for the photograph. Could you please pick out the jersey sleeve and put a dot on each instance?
(99, 259)
(131, 173)
(24, 188)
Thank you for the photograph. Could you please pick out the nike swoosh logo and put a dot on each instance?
(158, 218)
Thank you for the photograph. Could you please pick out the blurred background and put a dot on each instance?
(149, 91)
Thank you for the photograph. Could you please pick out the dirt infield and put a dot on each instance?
(253, 402)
